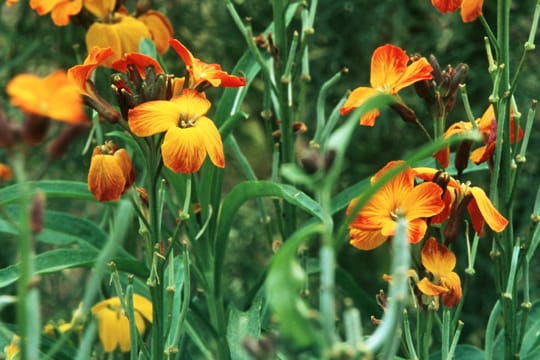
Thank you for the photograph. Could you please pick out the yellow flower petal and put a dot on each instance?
(183, 150)
(212, 141)
(61, 14)
(366, 240)
(154, 117)
(437, 258)
(430, 289)
(160, 28)
(100, 8)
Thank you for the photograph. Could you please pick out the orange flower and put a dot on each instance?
(11, 2)
(80, 74)
(111, 172)
(201, 74)
(439, 261)
(376, 221)
(389, 74)
(189, 134)
(5, 172)
(61, 10)
(140, 61)
(123, 32)
(479, 207)
(470, 9)
(54, 96)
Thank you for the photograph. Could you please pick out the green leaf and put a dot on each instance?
(242, 325)
(51, 189)
(248, 190)
(468, 352)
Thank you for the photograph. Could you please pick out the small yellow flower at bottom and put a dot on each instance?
(12, 350)
(113, 324)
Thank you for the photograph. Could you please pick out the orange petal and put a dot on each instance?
(437, 258)
(5, 172)
(430, 289)
(445, 6)
(453, 283)
(481, 205)
(106, 178)
(140, 61)
(443, 157)
(79, 74)
(124, 161)
(366, 240)
(358, 97)
(422, 201)
(61, 14)
(182, 51)
(183, 150)
(212, 140)
(388, 64)
(471, 10)
(416, 230)
(153, 117)
(418, 70)
(43, 7)
(160, 28)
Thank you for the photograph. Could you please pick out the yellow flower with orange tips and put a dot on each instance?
(113, 324)
(111, 172)
(189, 134)
(390, 72)
(61, 10)
(376, 221)
(470, 9)
(122, 32)
(55, 96)
(439, 262)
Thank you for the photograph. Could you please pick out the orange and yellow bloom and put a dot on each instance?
(111, 172)
(123, 32)
(200, 74)
(5, 172)
(390, 72)
(439, 262)
(61, 10)
(470, 9)
(113, 324)
(376, 221)
(55, 96)
(189, 134)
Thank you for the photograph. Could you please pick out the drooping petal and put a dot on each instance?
(153, 117)
(437, 258)
(182, 51)
(366, 240)
(124, 335)
(143, 306)
(79, 74)
(422, 201)
(183, 150)
(453, 283)
(109, 329)
(358, 97)
(160, 28)
(212, 140)
(481, 205)
(418, 70)
(446, 6)
(388, 64)
(430, 289)
(471, 10)
(105, 177)
(124, 161)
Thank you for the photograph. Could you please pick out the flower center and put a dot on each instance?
(187, 122)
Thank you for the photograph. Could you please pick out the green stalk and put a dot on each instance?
(445, 336)
(408, 337)
(490, 330)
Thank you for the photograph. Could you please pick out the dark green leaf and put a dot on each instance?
(242, 325)
(51, 189)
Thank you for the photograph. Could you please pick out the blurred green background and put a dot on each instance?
(346, 33)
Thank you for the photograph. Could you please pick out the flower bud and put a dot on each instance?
(462, 156)
(35, 128)
(37, 212)
(7, 136)
(406, 113)
(451, 230)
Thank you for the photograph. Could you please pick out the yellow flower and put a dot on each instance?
(111, 172)
(189, 136)
(439, 261)
(12, 351)
(113, 324)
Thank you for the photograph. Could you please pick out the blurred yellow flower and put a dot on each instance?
(12, 351)
(113, 324)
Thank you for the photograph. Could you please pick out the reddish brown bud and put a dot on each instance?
(451, 230)
(405, 112)
(436, 73)
(37, 211)
(7, 136)
(461, 160)
(35, 128)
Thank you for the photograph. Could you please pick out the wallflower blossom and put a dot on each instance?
(439, 262)
(123, 32)
(113, 324)
(470, 9)
(189, 136)
(111, 172)
(5, 172)
(389, 74)
(61, 10)
(11, 2)
(471, 198)
(54, 96)
(200, 74)
(376, 221)
(12, 350)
